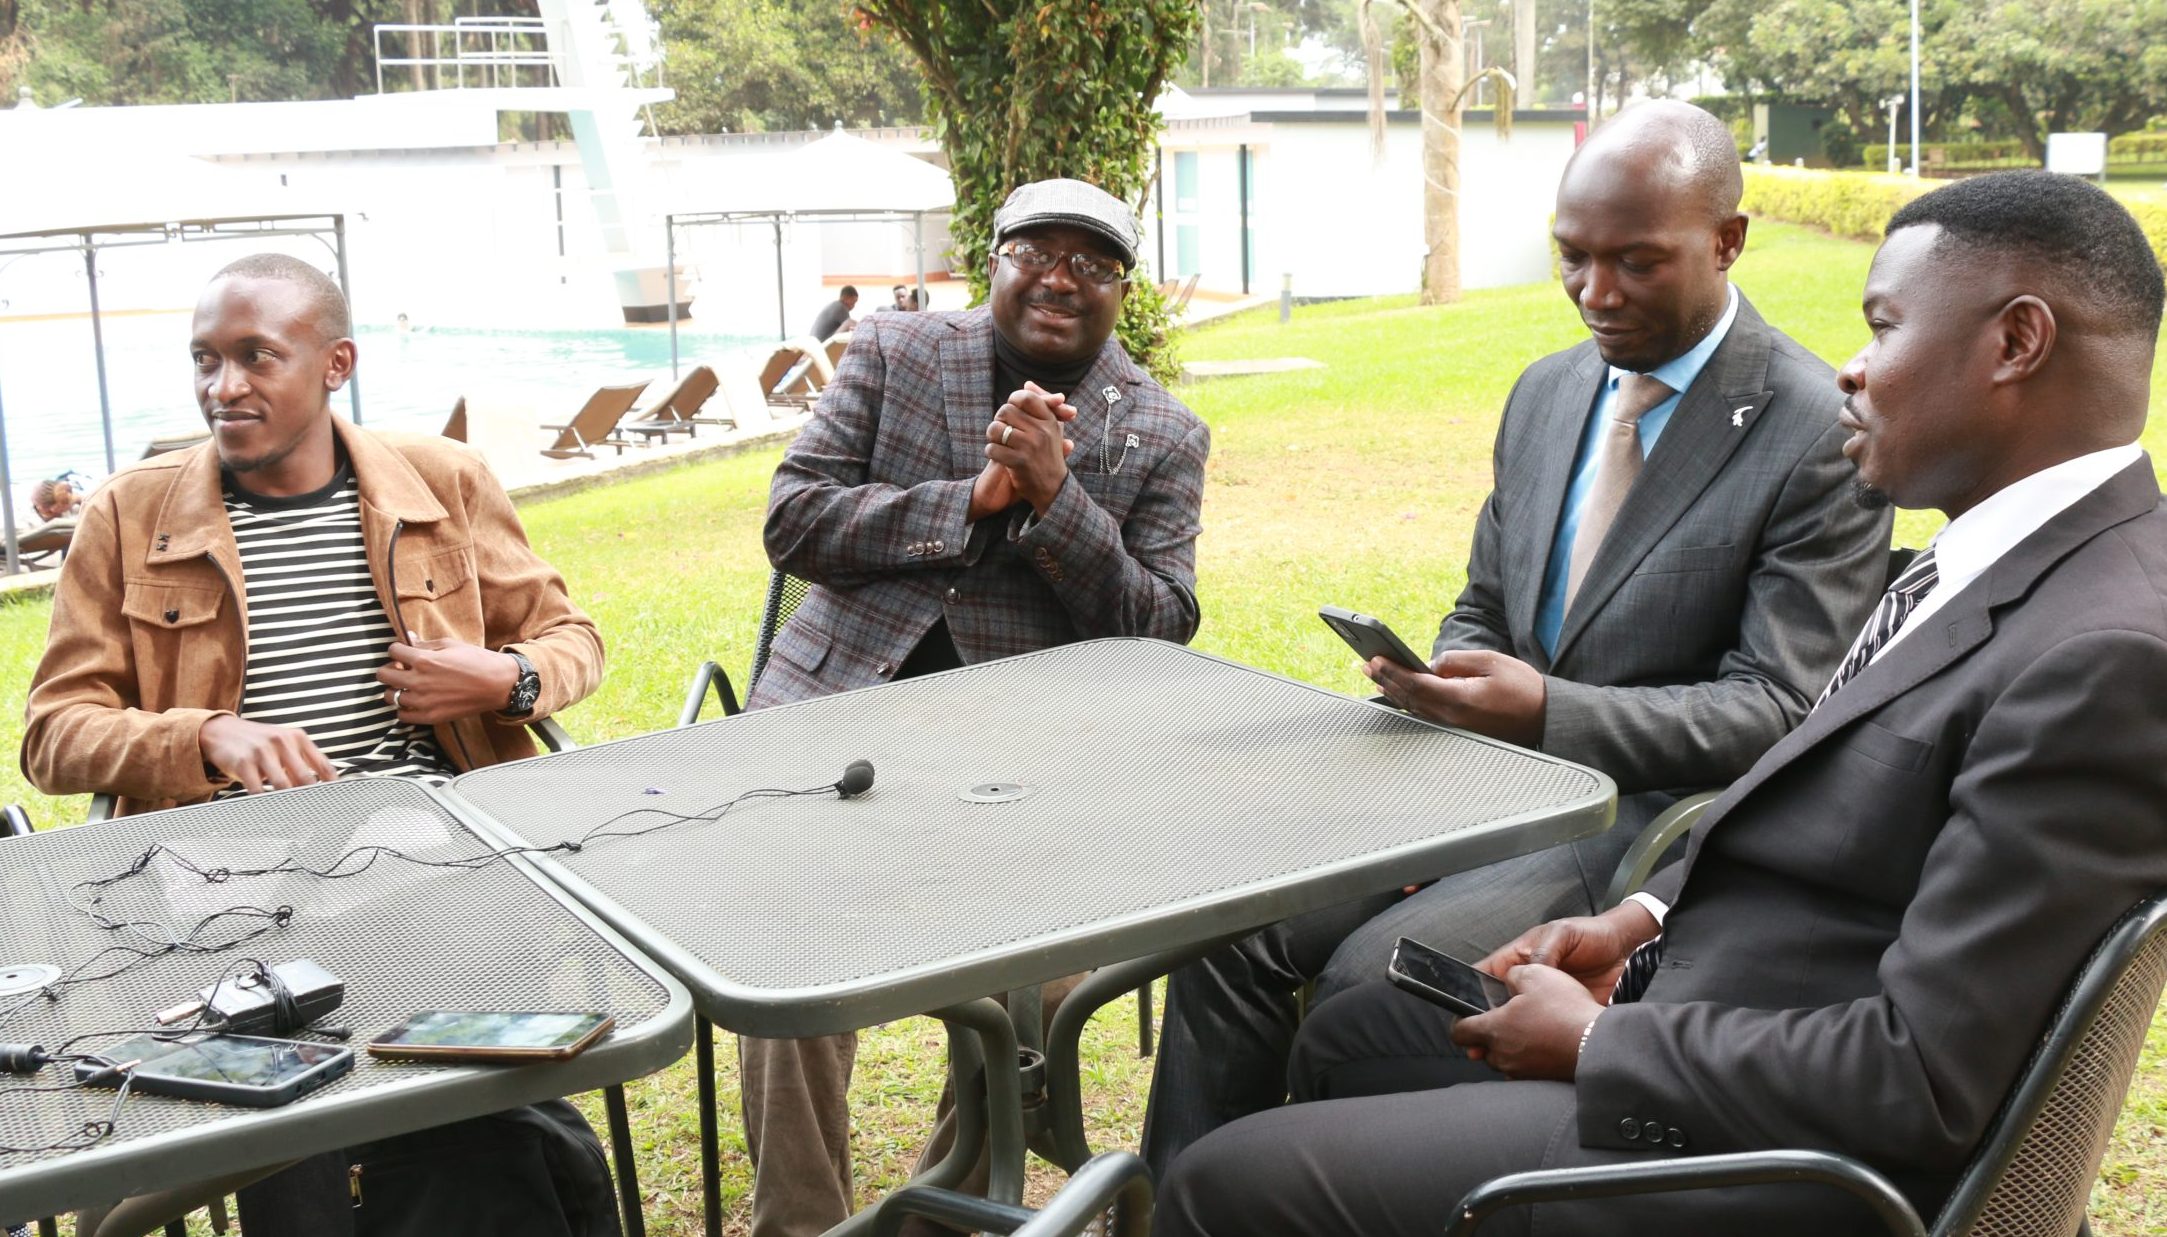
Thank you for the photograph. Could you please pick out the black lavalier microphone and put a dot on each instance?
(857, 779)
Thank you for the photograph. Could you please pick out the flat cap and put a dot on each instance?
(1076, 204)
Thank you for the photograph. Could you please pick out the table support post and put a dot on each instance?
(1004, 1094)
(710, 1154)
(1064, 1082)
(628, 1175)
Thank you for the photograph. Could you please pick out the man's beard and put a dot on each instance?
(1867, 496)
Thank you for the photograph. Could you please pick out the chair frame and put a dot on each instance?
(2098, 982)
(1115, 1179)
(583, 446)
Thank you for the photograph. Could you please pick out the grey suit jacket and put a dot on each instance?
(1871, 928)
(869, 504)
(1730, 585)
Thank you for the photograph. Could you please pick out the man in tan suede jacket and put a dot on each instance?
(296, 600)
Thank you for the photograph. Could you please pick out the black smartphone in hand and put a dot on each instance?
(1371, 638)
(1442, 979)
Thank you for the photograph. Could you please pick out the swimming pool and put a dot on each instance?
(409, 380)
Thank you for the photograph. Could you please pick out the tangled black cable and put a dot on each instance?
(276, 917)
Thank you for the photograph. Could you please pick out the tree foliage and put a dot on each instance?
(759, 65)
(1024, 90)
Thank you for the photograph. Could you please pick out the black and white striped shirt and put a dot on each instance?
(317, 633)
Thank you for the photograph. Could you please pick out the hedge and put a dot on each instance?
(1858, 204)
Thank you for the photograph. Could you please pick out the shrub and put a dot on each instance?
(2009, 153)
(1840, 143)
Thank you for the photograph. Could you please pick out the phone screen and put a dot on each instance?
(1449, 976)
(234, 1060)
(452, 1028)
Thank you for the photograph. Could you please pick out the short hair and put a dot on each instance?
(1697, 146)
(332, 315)
(899, 287)
(44, 492)
(849, 290)
(2090, 243)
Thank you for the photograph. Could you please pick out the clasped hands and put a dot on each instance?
(427, 681)
(1026, 453)
(1561, 974)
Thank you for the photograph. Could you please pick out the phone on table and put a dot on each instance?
(1442, 979)
(507, 1036)
(224, 1069)
(1371, 638)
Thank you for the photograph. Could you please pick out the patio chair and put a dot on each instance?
(455, 426)
(596, 424)
(680, 409)
(1114, 1184)
(49, 540)
(174, 442)
(1180, 301)
(2032, 1173)
(836, 346)
(796, 371)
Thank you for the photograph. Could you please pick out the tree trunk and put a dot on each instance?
(1523, 52)
(1443, 72)
(2027, 123)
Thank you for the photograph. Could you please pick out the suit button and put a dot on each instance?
(940, 547)
(1652, 1132)
(173, 616)
(954, 596)
(1676, 1138)
(1629, 1130)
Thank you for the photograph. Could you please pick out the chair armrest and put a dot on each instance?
(1690, 1173)
(551, 734)
(1641, 857)
(15, 822)
(708, 675)
(1114, 1179)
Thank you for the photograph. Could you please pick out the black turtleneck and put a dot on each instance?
(1011, 369)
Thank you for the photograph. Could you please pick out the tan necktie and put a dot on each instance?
(1618, 451)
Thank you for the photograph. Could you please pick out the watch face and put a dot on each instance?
(527, 690)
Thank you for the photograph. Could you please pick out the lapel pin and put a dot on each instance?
(1111, 394)
(1738, 415)
(1132, 440)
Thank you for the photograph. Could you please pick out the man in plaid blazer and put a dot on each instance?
(971, 486)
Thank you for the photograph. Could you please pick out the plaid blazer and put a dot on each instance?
(869, 504)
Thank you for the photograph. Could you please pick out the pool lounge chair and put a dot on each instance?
(455, 425)
(796, 371)
(596, 424)
(680, 409)
(173, 442)
(48, 541)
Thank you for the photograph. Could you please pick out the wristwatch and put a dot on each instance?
(524, 692)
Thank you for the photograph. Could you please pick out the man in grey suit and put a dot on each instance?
(1668, 568)
(1871, 929)
(972, 486)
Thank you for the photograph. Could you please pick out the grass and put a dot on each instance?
(1356, 484)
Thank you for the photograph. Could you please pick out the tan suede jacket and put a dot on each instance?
(150, 634)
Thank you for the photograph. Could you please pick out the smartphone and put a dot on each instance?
(1371, 638)
(512, 1036)
(224, 1069)
(1442, 979)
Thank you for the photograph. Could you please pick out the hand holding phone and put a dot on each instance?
(1371, 638)
(1442, 979)
(510, 1037)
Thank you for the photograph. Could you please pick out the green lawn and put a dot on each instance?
(1354, 484)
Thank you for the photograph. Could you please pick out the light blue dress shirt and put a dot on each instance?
(1677, 373)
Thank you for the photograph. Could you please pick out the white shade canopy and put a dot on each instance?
(56, 189)
(835, 173)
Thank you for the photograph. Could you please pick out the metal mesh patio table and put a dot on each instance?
(1031, 818)
(403, 938)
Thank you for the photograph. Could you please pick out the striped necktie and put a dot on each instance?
(1896, 605)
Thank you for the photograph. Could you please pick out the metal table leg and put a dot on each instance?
(710, 1151)
(628, 1175)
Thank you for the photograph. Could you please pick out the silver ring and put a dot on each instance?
(1007, 432)
(396, 692)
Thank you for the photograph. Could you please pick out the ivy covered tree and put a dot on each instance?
(1023, 90)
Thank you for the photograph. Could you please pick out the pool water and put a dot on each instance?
(409, 380)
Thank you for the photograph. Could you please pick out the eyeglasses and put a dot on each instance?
(1088, 267)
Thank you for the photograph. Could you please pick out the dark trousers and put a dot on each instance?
(1373, 1157)
(1231, 1016)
